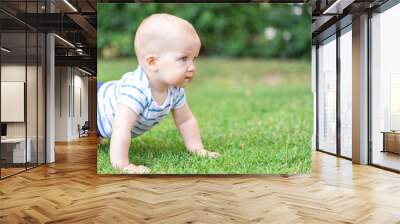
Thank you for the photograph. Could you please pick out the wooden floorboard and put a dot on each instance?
(70, 191)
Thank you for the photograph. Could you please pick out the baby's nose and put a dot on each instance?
(192, 68)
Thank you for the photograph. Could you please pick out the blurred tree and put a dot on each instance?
(225, 29)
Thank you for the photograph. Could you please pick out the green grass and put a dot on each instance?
(256, 113)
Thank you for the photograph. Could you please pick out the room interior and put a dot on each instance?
(22, 101)
(385, 114)
(39, 108)
(355, 51)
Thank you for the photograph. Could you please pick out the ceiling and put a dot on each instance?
(331, 15)
(74, 22)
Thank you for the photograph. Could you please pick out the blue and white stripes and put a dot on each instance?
(133, 91)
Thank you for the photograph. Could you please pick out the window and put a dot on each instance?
(346, 92)
(22, 76)
(385, 88)
(327, 95)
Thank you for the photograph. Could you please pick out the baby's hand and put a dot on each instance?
(204, 153)
(133, 169)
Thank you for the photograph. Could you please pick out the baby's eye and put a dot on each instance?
(184, 58)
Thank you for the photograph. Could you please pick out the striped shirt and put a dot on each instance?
(133, 91)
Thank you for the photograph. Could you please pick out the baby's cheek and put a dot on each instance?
(179, 77)
(173, 79)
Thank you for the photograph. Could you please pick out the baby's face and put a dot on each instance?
(176, 64)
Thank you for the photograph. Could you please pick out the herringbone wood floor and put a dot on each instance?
(70, 191)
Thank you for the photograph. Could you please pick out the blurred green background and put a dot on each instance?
(225, 29)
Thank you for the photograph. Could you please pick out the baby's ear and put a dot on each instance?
(151, 62)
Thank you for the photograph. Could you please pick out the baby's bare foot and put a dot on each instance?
(134, 169)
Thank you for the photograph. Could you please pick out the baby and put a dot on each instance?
(166, 47)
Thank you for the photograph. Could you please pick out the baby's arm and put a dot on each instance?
(122, 124)
(189, 129)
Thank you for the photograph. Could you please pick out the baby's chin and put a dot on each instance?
(183, 84)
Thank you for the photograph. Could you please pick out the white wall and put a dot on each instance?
(79, 110)
(16, 73)
(33, 127)
(61, 103)
(12, 73)
(71, 87)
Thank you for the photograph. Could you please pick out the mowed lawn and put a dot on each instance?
(258, 114)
